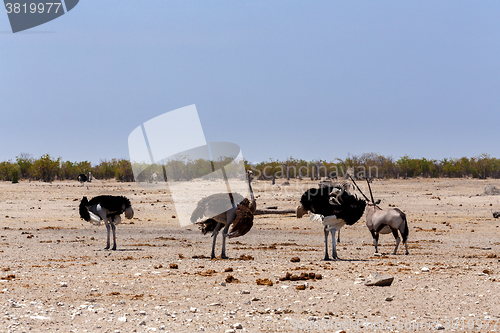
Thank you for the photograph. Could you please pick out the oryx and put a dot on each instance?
(384, 221)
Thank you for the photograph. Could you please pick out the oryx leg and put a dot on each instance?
(214, 235)
(405, 241)
(375, 240)
(396, 235)
(326, 243)
(338, 237)
(224, 235)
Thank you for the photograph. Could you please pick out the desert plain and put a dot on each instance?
(56, 276)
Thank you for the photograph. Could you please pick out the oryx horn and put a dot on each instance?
(371, 194)
(358, 188)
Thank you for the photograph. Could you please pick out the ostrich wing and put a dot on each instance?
(207, 226)
(94, 219)
(242, 223)
(213, 205)
(352, 209)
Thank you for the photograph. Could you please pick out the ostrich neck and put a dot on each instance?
(253, 203)
(250, 188)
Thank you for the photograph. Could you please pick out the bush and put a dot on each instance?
(15, 176)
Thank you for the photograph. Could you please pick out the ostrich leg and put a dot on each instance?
(108, 228)
(214, 235)
(113, 227)
(327, 258)
(224, 235)
(334, 247)
(114, 221)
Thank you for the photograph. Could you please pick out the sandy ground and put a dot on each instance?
(55, 275)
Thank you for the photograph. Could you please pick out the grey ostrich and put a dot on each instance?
(237, 217)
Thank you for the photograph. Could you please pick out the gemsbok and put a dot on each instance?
(385, 221)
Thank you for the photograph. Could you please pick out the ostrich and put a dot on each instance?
(385, 221)
(317, 200)
(82, 178)
(107, 208)
(239, 218)
(333, 207)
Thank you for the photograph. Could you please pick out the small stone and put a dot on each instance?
(295, 259)
(389, 298)
(245, 292)
(122, 319)
(425, 269)
(230, 331)
(193, 310)
(238, 326)
(63, 284)
(142, 323)
(440, 327)
(376, 279)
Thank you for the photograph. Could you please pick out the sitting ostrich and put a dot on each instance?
(334, 207)
(107, 208)
(238, 217)
(385, 221)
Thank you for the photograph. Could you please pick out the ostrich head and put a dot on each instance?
(335, 194)
(301, 211)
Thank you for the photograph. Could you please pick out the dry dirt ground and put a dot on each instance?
(55, 275)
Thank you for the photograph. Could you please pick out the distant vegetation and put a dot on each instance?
(47, 168)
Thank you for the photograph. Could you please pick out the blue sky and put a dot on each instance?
(308, 79)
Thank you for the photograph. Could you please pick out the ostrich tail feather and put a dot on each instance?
(84, 213)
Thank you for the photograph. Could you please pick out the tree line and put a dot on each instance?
(47, 168)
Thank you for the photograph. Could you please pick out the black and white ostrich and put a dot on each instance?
(237, 217)
(317, 200)
(107, 208)
(82, 178)
(334, 207)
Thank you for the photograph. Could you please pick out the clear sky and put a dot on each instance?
(308, 79)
